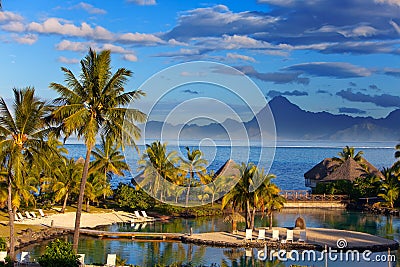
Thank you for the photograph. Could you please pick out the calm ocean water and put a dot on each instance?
(291, 160)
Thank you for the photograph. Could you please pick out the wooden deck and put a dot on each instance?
(133, 235)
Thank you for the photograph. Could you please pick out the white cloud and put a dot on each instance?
(14, 26)
(143, 2)
(68, 60)
(395, 26)
(73, 46)
(89, 8)
(6, 16)
(130, 57)
(390, 2)
(26, 39)
(176, 43)
(139, 38)
(240, 57)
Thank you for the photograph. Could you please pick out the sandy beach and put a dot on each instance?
(88, 220)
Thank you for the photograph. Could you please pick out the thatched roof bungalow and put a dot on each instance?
(329, 170)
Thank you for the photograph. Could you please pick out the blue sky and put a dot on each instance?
(338, 56)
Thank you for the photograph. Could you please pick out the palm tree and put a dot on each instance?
(108, 160)
(397, 153)
(95, 103)
(157, 164)
(191, 165)
(396, 165)
(348, 152)
(67, 176)
(390, 187)
(21, 131)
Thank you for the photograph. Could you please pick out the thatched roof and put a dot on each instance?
(322, 169)
(80, 161)
(350, 170)
(229, 169)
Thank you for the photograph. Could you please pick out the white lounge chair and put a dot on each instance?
(81, 259)
(28, 215)
(275, 235)
(42, 213)
(25, 257)
(261, 235)
(140, 217)
(3, 255)
(16, 218)
(137, 226)
(249, 235)
(146, 216)
(111, 260)
(21, 218)
(289, 235)
(33, 214)
(303, 236)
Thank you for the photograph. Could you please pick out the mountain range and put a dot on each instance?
(292, 123)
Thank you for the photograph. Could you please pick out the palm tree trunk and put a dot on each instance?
(248, 214)
(188, 190)
(270, 220)
(87, 205)
(80, 198)
(11, 222)
(253, 215)
(65, 203)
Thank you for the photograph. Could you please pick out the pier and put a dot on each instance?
(304, 199)
(133, 235)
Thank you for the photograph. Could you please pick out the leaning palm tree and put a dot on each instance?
(108, 160)
(390, 187)
(95, 104)
(193, 164)
(22, 131)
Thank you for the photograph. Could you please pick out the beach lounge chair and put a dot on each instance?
(137, 226)
(25, 258)
(42, 213)
(275, 235)
(146, 216)
(3, 255)
(249, 235)
(289, 235)
(16, 218)
(303, 236)
(21, 218)
(111, 260)
(33, 214)
(28, 215)
(261, 235)
(139, 217)
(81, 259)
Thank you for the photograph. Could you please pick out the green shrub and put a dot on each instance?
(129, 198)
(59, 254)
(3, 244)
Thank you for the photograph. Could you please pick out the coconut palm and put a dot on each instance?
(348, 152)
(22, 131)
(108, 160)
(157, 164)
(95, 103)
(390, 187)
(193, 164)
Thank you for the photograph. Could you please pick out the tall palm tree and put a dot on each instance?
(95, 104)
(22, 131)
(108, 160)
(193, 164)
(157, 164)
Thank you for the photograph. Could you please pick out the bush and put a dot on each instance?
(129, 198)
(3, 244)
(59, 254)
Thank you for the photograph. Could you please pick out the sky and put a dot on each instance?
(338, 56)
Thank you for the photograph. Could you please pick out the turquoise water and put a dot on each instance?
(151, 253)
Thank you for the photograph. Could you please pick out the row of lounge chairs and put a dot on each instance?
(275, 235)
(137, 217)
(31, 215)
(111, 260)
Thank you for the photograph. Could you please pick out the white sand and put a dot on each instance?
(67, 220)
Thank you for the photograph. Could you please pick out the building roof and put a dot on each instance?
(322, 169)
(229, 169)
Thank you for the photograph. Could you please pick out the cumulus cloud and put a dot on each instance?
(13, 26)
(384, 100)
(275, 77)
(7, 16)
(143, 2)
(273, 93)
(130, 57)
(392, 72)
(240, 57)
(338, 70)
(351, 110)
(26, 39)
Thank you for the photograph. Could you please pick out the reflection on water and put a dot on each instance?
(151, 253)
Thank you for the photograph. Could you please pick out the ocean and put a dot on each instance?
(290, 160)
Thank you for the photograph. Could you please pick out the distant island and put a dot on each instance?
(292, 123)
